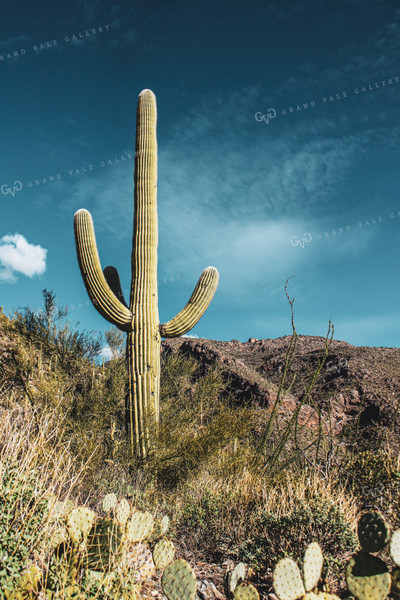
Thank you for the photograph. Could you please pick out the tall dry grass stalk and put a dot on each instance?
(36, 471)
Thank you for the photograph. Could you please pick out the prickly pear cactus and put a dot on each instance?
(179, 581)
(395, 547)
(58, 536)
(163, 553)
(246, 592)
(234, 578)
(140, 560)
(160, 528)
(122, 511)
(312, 566)
(373, 532)
(79, 523)
(59, 509)
(104, 543)
(109, 502)
(367, 577)
(287, 581)
(395, 584)
(139, 527)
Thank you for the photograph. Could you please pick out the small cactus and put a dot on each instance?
(234, 578)
(163, 553)
(141, 561)
(27, 584)
(58, 536)
(395, 547)
(287, 581)
(246, 592)
(79, 523)
(367, 577)
(373, 532)
(160, 528)
(122, 511)
(179, 581)
(104, 542)
(312, 566)
(139, 527)
(109, 502)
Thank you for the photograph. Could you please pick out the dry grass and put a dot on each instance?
(203, 471)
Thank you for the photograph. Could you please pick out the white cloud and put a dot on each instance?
(17, 255)
(106, 353)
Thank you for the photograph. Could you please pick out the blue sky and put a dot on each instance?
(278, 138)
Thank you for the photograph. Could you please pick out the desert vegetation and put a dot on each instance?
(237, 483)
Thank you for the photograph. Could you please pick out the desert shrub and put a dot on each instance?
(260, 520)
(199, 422)
(276, 536)
(34, 470)
(374, 477)
(23, 511)
(46, 329)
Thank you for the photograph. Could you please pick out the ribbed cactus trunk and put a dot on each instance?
(143, 343)
(140, 319)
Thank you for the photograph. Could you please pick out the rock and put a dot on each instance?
(353, 379)
(206, 590)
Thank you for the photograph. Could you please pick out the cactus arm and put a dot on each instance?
(198, 303)
(113, 280)
(96, 285)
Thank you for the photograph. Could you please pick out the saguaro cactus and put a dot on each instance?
(140, 319)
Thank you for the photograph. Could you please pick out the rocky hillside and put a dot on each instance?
(355, 383)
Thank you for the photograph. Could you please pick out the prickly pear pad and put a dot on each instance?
(373, 532)
(179, 581)
(287, 581)
(104, 542)
(313, 561)
(109, 502)
(236, 576)
(246, 592)
(395, 547)
(367, 577)
(79, 523)
(122, 511)
(139, 527)
(395, 587)
(163, 553)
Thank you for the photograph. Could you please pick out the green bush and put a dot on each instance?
(276, 536)
(23, 513)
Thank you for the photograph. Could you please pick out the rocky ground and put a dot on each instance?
(355, 382)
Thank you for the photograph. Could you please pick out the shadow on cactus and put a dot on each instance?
(368, 576)
(140, 319)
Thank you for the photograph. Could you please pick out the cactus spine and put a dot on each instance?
(140, 319)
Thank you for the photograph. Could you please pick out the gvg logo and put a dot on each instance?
(271, 114)
(17, 187)
(341, 364)
(306, 239)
